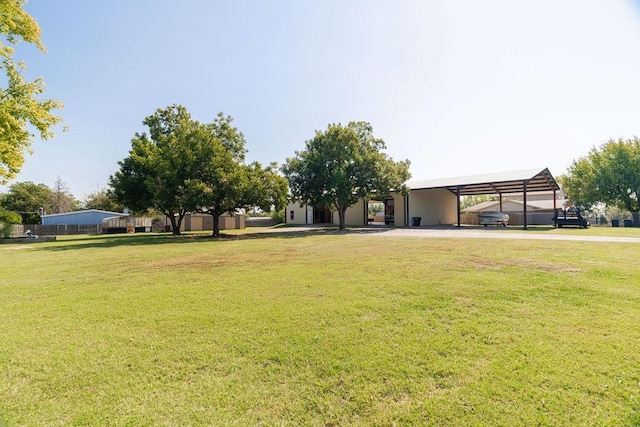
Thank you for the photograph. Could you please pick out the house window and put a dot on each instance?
(292, 215)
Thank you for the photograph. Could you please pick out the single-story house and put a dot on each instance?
(437, 201)
(307, 214)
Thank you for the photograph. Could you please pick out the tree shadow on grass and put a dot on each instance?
(111, 241)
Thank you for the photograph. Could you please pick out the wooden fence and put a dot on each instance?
(55, 230)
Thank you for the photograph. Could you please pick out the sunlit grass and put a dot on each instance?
(591, 231)
(319, 329)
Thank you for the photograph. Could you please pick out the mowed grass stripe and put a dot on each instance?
(319, 329)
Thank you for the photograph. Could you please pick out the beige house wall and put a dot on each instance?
(508, 205)
(299, 213)
(302, 215)
(434, 206)
(355, 215)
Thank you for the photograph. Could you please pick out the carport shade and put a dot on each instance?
(525, 181)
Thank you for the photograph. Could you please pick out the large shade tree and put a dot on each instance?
(21, 110)
(223, 182)
(609, 174)
(186, 166)
(29, 200)
(342, 165)
(32, 200)
(157, 173)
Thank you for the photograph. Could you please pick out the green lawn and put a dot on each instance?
(322, 328)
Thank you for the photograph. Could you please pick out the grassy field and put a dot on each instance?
(321, 328)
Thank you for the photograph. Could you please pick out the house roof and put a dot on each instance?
(533, 205)
(493, 183)
(560, 195)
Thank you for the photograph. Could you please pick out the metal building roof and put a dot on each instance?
(85, 211)
(89, 216)
(493, 183)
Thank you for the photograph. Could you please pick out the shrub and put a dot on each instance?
(7, 219)
(278, 216)
(5, 230)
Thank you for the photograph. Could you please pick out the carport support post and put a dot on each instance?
(406, 210)
(458, 200)
(524, 199)
(366, 211)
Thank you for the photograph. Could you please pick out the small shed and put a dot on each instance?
(85, 217)
(204, 221)
(126, 224)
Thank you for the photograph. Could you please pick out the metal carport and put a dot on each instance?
(525, 181)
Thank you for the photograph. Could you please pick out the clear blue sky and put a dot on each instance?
(458, 87)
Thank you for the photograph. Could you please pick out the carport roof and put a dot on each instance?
(492, 183)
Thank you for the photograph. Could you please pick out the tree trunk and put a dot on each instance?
(341, 216)
(175, 226)
(216, 224)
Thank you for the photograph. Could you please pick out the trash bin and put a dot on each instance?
(416, 220)
(628, 223)
(615, 223)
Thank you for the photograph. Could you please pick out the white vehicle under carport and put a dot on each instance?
(493, 218)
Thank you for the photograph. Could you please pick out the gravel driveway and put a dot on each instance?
(502, 234)
(465, 233)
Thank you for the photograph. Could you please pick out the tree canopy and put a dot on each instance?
(26, 199)
(20, 107)
(609, 174)
(342, 165)
(102, 199)
(223, 182)
(186, 166)
(160, 164)
(468, 201)
(61, 199)
(31, 200)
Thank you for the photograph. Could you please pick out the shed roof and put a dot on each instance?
(492, 183)
(85, 211)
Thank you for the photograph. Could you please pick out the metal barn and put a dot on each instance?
(86, 217)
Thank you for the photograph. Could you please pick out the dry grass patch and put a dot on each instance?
(526, 264)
